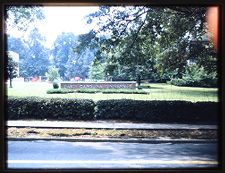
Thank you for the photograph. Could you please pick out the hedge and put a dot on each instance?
(104, 91)
(158, 111)
(123, 109)
(50, 108)
(59, 91)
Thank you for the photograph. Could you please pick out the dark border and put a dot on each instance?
(221, 69)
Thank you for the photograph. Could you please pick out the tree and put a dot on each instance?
(63, 51)
(79, 65)
(22, 17)
(149, 42)
(52, 74)
(36, 60)
(11, 69)
(97, 70)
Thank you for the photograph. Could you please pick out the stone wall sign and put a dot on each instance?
(99, 85)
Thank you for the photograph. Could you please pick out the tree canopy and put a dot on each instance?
(11, 69)
(153, 43)
(36, 59)
(21, 17)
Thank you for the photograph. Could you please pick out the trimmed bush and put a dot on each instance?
(90, 91)
(55, 85)
(59, 91)
(111, 91)
(157, 111)
(93, 91)
(123, 109)
(50, 108)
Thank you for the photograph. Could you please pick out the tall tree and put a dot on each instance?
(11, 69)
(147, 42)
(36, 62)
(17, 45)
(79, 65)
(63, 51)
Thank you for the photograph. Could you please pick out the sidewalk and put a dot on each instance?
(107, 125)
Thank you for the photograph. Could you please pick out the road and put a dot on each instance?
(76, 155)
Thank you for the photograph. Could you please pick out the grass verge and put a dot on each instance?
(102, 133)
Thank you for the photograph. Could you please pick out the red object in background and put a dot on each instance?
(77, 78)
(212, 19)
(34, 79)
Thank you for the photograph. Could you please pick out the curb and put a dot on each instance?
(131, 140)
(108, 128)
(108, 125)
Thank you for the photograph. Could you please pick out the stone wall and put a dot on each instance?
(99, 85)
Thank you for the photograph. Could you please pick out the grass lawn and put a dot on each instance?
(156, 92)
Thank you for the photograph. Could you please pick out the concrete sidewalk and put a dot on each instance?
(106, 125)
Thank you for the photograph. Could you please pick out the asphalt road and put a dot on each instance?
(97, 155)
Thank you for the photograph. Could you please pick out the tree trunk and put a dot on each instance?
(10, 82)
(138, 81)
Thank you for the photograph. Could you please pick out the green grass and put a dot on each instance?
(156, 92)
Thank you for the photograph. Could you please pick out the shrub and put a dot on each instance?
(157, 111)
(50, 108)
(60, 91)
(196, 76)
(88, 90)
(111, 91)
(55, 85)
(124, 109)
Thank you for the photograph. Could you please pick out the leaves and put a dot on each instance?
(22, 17)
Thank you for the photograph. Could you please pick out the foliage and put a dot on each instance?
(90, 91)
(55, 85)
(59, 91)
(22, 17)
(148, 111)
(157, 111)
(79, 66)
(52, 74)
(196, 76)
(150, 43)
(96, 71)
(103, 91)
(64, 57)
(111, 91)
(49, 108)
(11, 68)
(35, 61)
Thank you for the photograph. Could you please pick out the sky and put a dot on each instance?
(62, 19)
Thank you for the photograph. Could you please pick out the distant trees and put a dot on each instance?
(34, 56)
(63, 51)
(69, 62)
(11, 69)
(52, 74)
(97, 70)
(36, 59)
